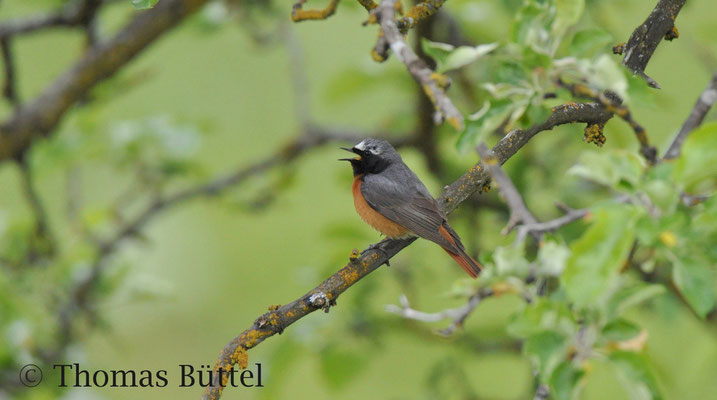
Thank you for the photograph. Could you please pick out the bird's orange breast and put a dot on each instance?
(373, 217)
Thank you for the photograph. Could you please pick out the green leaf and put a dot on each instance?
(696, 168)
(620, 330)
(552, 258)
(696, 282)
(546, 350)
(616, 169)
(586, 42)
(510, 260)
(339, 366)
(636, 375)
(465, 55)
(631, 296)
(598, 255)
(567, 14)
(543, 314)
(487, 120)
(448, 57)
(144, 4)
(439, 52)
(531, 26)
(564, 383)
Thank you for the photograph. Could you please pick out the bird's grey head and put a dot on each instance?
(374, 155)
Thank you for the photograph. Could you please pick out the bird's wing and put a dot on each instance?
(403, 199)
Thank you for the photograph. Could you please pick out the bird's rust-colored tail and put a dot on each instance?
(459, 254)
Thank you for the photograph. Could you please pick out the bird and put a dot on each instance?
(392, 199)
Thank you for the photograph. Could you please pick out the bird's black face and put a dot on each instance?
(371, 159)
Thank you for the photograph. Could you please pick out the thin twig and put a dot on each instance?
(519, 212)
(10, 86)
(456, 315)
(75, 13)
(43, 232)
(433, 84)
(541, 228)
(699, 111)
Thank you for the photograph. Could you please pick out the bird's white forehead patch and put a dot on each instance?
(361, 146)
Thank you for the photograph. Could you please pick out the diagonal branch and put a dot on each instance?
(433, 84)
(361, 264)
(80, 293)
(519, 212)
(699, 111)
(40, 116)
(660, 24)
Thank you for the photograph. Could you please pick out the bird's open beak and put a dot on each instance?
(352, 150)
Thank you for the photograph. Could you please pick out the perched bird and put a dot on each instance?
(391, 198)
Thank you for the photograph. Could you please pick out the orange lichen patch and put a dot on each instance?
(376, 56)
(297, 14)
(368, 4)
(274, 307)
(619, 48)
(355, 253)
(398, 7)
(594, 134)
(240, 357)
(349, 275)
(455, 122)
(672, 34)
(502, 288)
(441, 80)
(252, 337)
(418, 13)
(490, 160)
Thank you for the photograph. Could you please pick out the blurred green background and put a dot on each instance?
(205, 270)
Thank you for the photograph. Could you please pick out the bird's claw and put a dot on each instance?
(377, 246)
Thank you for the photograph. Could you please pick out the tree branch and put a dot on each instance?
(519, 212)
(456, 315)
(361, 264)
(419, 12)
(75, 13)
(80, 294)
(10, 87)
(433, 84)
(612, 103)
(46, 242)
(298, 15)
(660, 24)
(540, 228)
(699, 111)
(40, 116)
